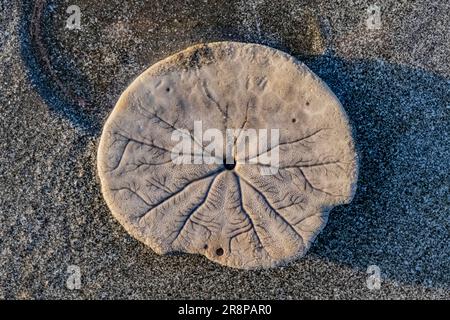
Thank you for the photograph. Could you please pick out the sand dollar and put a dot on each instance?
(248, 213)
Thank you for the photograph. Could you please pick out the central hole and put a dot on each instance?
(229, 166)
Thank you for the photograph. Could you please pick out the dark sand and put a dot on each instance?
(58, 86)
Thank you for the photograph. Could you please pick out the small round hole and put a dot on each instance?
(307, 103)
(167, 89)
(294, 120)
(205, 246)
(229, 166)
(219, 251)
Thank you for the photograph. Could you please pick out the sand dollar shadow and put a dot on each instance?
(399, 218)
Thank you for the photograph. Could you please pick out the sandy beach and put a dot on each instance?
(58, 86)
